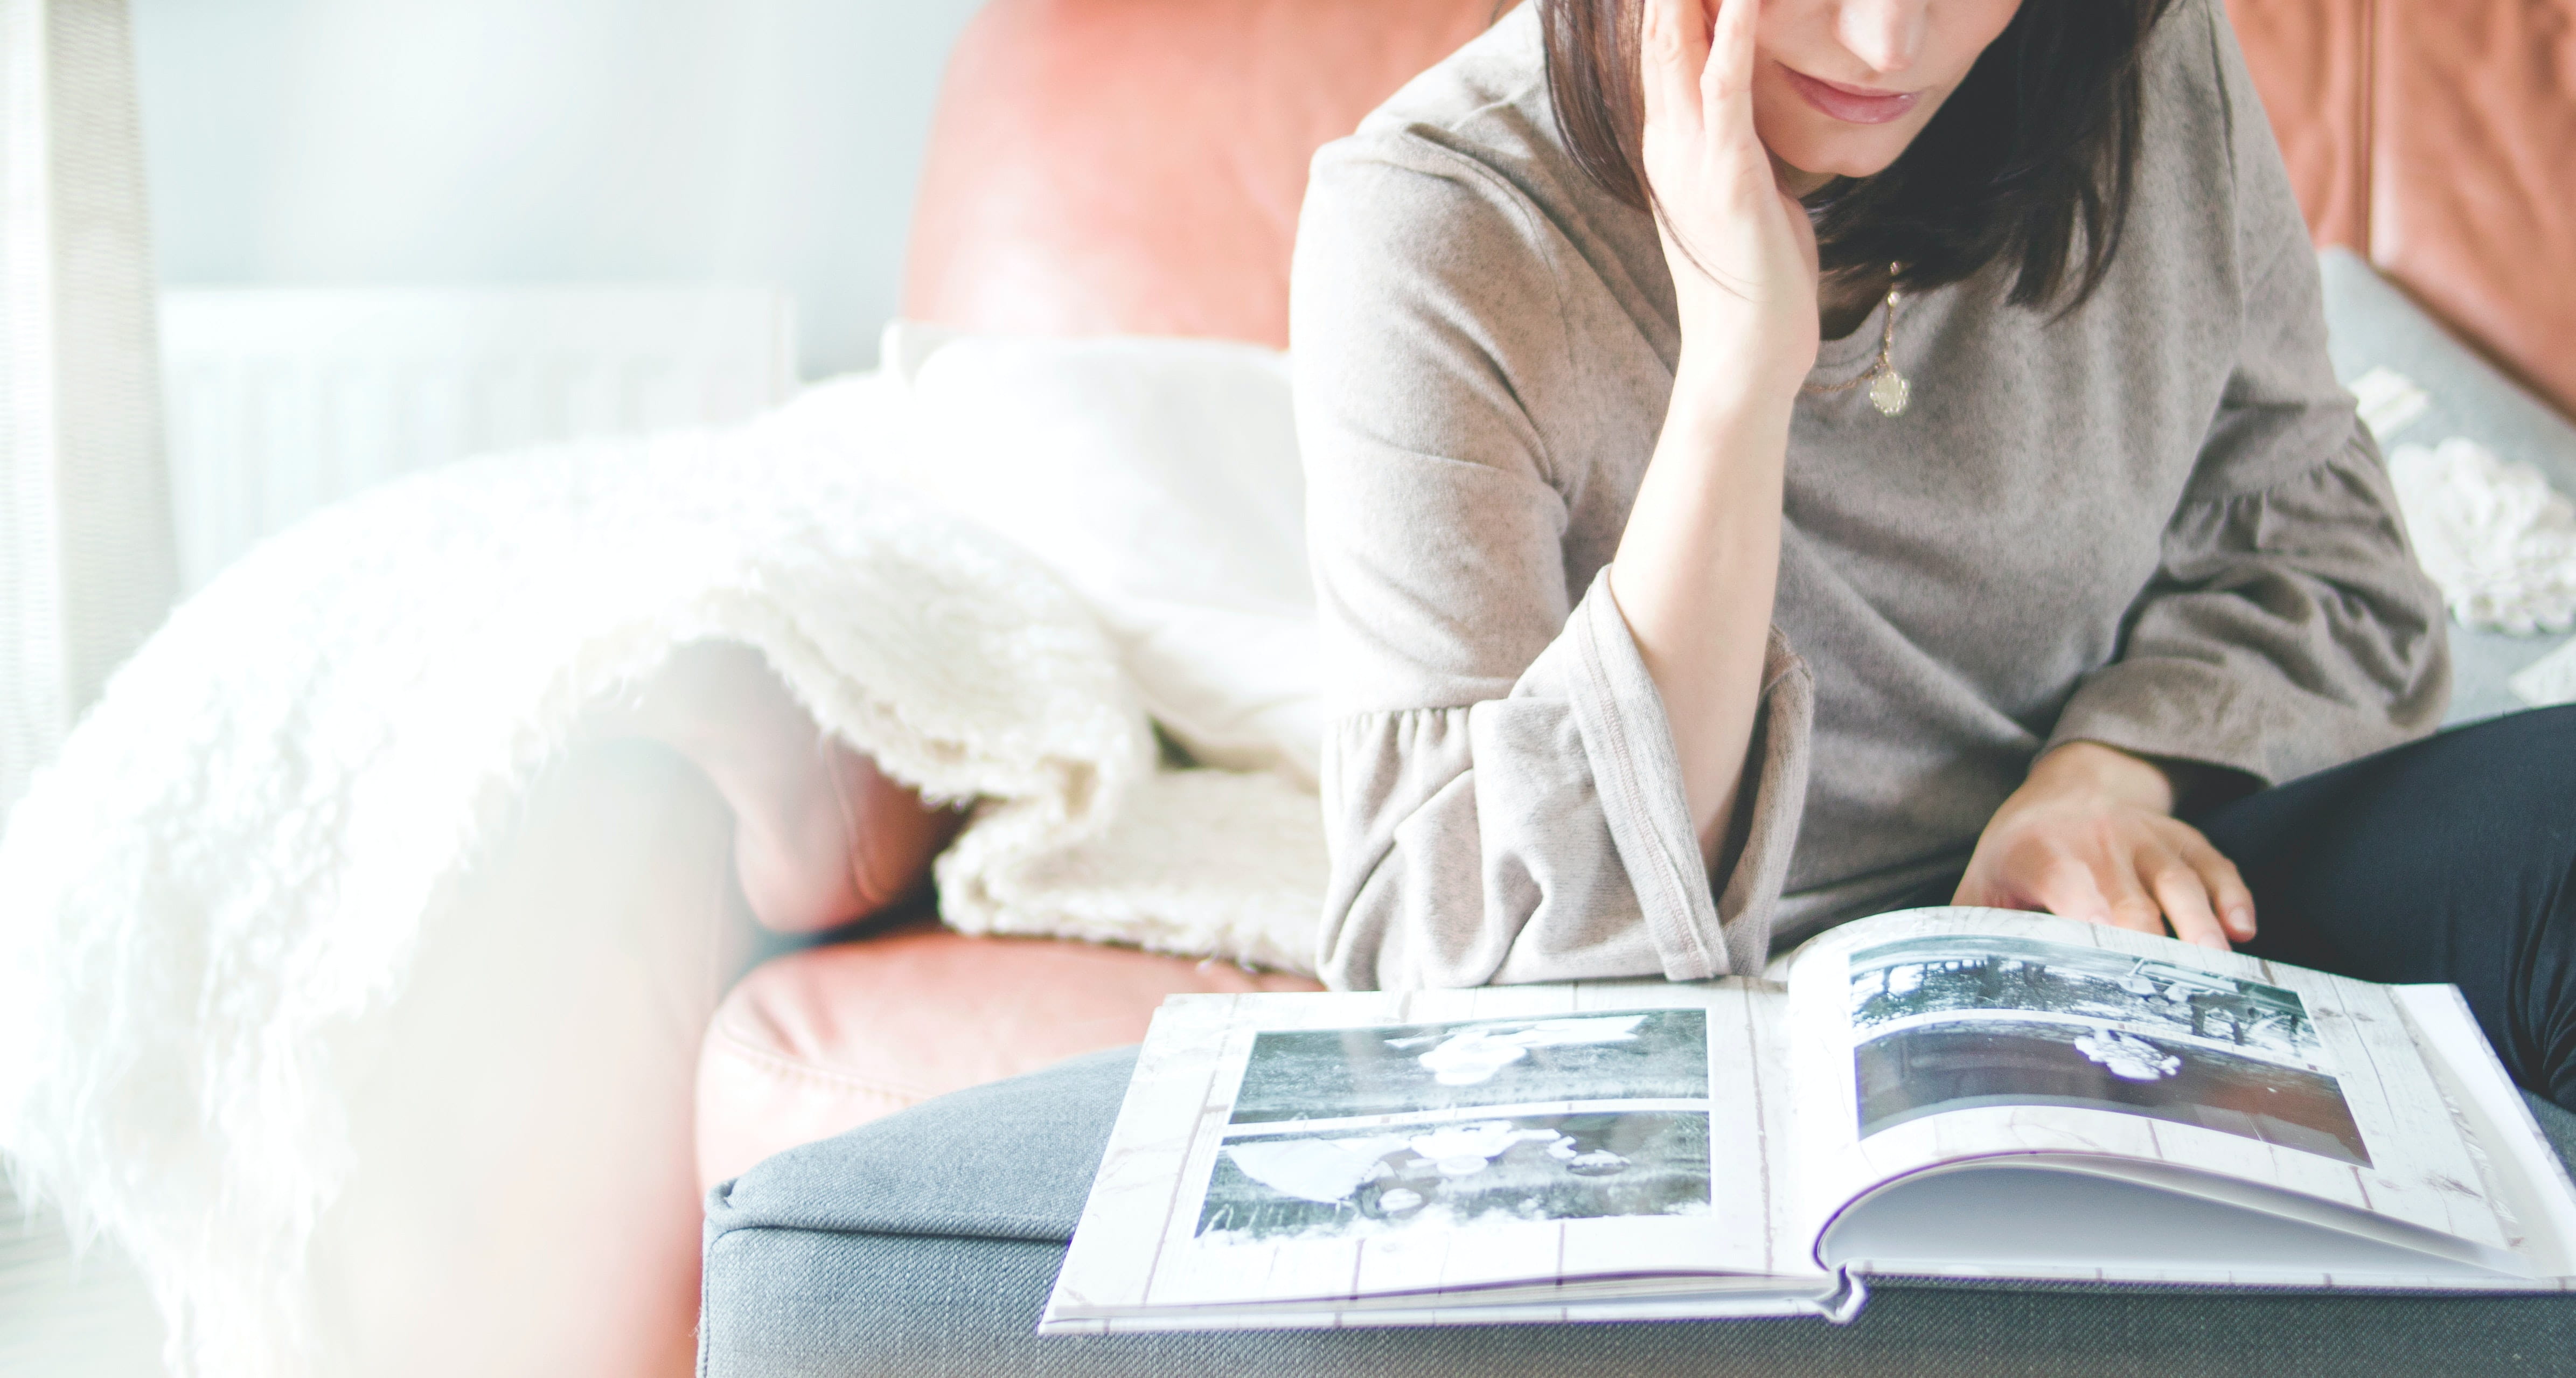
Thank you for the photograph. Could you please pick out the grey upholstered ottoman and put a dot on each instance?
(925, 1244)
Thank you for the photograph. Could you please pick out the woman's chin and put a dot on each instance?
(1817, 166)
(1841, 150)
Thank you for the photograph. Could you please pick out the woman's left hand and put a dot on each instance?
(2091, 835)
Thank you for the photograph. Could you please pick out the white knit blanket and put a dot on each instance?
(207, 906)
(2494, 536)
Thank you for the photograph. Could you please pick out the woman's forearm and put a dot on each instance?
(1695, 575)
(1697, 565)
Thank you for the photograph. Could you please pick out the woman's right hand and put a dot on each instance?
(1742, 253)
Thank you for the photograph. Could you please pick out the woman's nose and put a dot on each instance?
(1886, 34)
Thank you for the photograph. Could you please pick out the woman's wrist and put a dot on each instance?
(2103, 772)
(1723, 389)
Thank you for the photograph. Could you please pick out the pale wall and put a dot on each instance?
(510, 141)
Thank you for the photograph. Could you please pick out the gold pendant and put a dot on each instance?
(1889, 392)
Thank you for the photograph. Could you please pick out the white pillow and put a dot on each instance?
(1159, 479)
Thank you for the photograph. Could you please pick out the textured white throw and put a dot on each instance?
(2497, 539)
(208, 904)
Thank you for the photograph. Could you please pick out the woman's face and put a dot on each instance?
(1840, 87)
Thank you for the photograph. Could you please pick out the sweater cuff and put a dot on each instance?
(1698, 931)
(1776, 782)
(2172, 709)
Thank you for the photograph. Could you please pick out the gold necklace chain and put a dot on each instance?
(1888, 390)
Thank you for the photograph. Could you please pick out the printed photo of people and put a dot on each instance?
(1924, 976)
(1955, 1023)
(1449, 1172)
(1322, 1074)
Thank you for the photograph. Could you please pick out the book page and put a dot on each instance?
(1939, 1035)
(2525, 1174)
(1285, 1151)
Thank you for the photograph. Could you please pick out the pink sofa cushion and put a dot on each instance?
(819, 1041)
(1135, 166)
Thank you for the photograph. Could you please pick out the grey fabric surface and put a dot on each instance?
(926, 1244)
(2370, 324)
(2152, 522)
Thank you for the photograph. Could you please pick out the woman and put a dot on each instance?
(1771, 461)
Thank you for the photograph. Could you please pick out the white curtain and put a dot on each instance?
(87, 567)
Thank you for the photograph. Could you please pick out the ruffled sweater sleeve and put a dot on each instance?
(1502, 797)
(2289, 627)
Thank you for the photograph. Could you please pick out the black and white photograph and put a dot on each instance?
(1910, 981)
(1323, 1074)
(1452, 1172)
(1971, 1062)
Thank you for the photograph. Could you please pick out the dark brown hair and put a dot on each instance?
(2030, 161)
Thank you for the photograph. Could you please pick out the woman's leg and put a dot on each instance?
(2449, 859)
(820, 837)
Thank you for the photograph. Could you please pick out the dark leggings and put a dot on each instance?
(2448, 859)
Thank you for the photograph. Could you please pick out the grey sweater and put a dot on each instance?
(2153, 523)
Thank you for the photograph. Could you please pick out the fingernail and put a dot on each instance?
(2212, 941)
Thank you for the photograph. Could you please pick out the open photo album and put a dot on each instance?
(1969, 1093)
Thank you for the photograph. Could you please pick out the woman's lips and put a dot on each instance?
(1852, 104)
